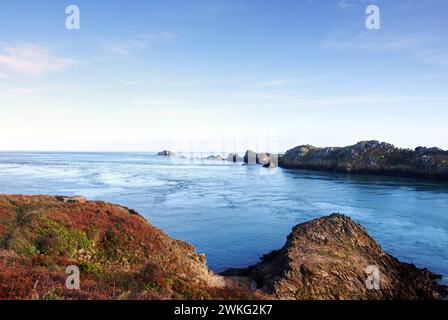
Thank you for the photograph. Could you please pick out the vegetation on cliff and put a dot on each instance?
(371, 157)
(120, 255)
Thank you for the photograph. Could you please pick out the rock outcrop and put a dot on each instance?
(215, 158)
(167, 153)
(250, 157)
(234, 157)
(72, 199)
(370, 157)
(265, 159)
(332, 258)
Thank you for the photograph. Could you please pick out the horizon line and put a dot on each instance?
(209, 151)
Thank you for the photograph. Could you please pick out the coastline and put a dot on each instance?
(367, 172)
(370, 157)
(43, 234)
(365, 157)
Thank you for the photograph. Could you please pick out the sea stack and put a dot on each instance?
(333, 258)
(167, 153)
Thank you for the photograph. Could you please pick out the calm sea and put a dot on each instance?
(235, 213)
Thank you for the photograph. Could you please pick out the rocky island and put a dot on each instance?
(371, 157)
(122, 256)
(166, 153)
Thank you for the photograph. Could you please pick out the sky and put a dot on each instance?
(224, 75)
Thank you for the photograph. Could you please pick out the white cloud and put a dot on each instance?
(158, 107)
(350, 4)
(371, 41)
(342, 100)
(167, 113)
(158, 102)
(12, 92)
(438, 58)
(275, 83)
(345, 4)
(28, 59)
(422, 46)
(126, 81)
(131, 82)
(126, 47)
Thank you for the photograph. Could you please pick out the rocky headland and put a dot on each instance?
(331, 258)
(122, 256)
(371, 157)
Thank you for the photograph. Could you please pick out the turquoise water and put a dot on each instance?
(235, 213)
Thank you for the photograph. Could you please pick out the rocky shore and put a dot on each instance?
(331, 258)
(365, 157)
(122, 256)
(371, 157)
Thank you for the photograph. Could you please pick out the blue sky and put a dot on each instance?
(222, 74)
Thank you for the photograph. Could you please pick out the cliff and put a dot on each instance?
(370, 157)
(331, 258)
(122, 256)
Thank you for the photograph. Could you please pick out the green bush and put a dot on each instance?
(54, 238)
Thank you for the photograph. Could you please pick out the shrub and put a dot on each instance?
(57, 239)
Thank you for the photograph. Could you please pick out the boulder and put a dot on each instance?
(234, 157)
(250, 157)
(265, 159)
(73, 199)
(333, 258)
(268, 160)
(217, 157)
(167, 153)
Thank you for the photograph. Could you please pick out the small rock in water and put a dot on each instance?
(166, 153)
(234, 157)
